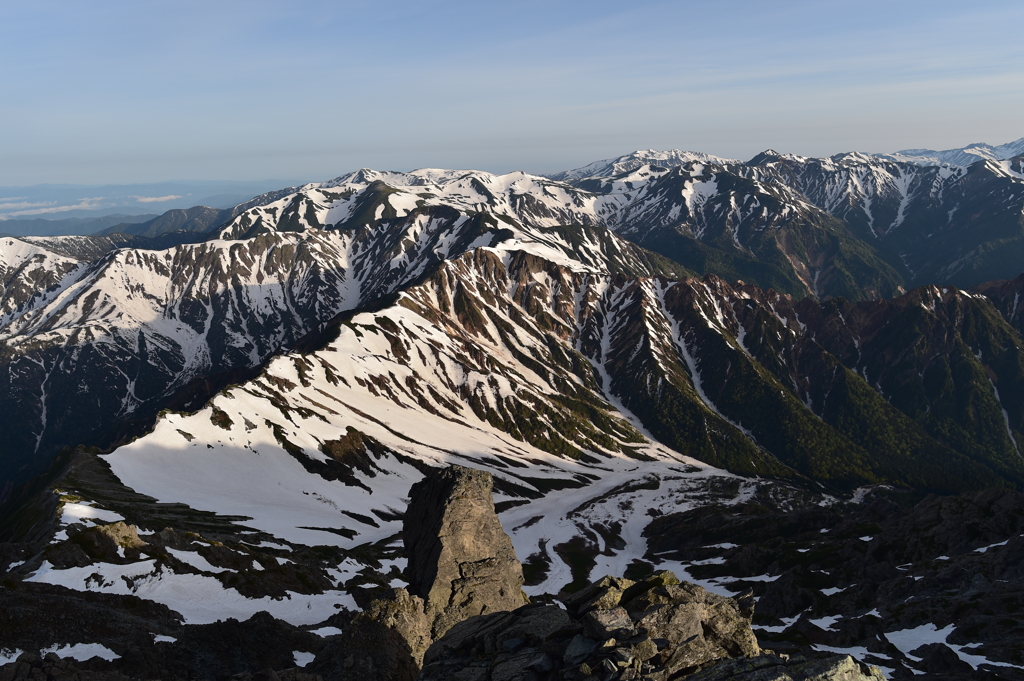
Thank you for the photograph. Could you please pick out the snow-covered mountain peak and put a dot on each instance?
(638, 159)
(853, 157)
(964, 156)
(369, 197)
(771, 156)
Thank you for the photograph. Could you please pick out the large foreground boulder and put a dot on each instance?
(461, 562)
(466, 618)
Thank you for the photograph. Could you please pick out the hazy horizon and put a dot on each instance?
(120, 93)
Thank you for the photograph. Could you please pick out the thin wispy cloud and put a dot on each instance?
(156, 199)
(84, 204)
(24, 204)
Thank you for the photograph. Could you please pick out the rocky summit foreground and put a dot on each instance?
(467, 619)
(657, 629)
(461, 562)
(463, 616)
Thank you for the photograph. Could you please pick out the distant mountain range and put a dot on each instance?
(148, 315)
(648, 345)
(964, 156)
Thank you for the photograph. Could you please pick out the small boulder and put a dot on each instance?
(606, 624)
(384, 642)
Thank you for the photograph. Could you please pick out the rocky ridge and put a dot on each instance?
(197, 317)
(557, 357)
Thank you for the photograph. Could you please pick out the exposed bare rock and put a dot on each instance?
(775, 668)
(385, 642)
(938, 658)
(112, 543)
(123, 534)
(51, 667)
(461, 562)
(613, 629)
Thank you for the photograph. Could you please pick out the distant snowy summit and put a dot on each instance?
(963, 157)
(671, 158)
(612, 167)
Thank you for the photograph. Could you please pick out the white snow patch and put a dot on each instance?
(826, 622)
(302, 658)
(911, 639)
(327, 631)
(786, 622)
(8, 655)
(82, 651)
(194, 559)
(983, 549)
(77, 511)
(198, 598)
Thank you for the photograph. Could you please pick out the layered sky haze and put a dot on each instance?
(126, 92)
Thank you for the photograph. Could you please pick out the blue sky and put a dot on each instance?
(119, 92)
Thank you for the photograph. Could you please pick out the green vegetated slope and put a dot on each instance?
(743, 378)
(814, 410)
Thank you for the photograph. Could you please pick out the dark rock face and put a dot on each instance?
(461, 562)
(123, 624)
(892, 563)
(658, 629)
(34, 616)
(386, 641)
(51, 667)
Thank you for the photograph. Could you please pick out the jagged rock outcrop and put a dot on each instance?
(245, 650)
(115, 542)
(614, 628)
(461, 562)
(851, 576)
(620, 630)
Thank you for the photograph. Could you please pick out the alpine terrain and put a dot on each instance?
(782, 400)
